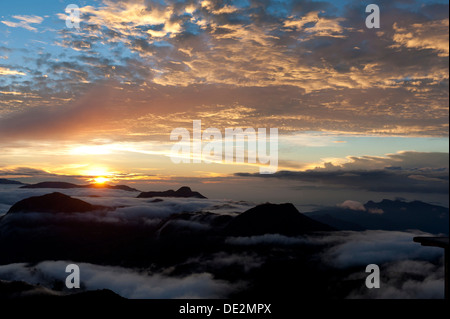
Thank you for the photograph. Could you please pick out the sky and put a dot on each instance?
(361, 113)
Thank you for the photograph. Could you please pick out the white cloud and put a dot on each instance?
(406, 279)
(350, 248)
(6, 71)
(353, 205)
(24, 22)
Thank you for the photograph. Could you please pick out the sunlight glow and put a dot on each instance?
(101, 180)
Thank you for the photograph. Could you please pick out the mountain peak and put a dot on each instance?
(53, 203)
(269, 218)
(183, 192)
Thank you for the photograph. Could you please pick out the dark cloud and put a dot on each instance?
(26, 171)
(374, 181)
(406, 172)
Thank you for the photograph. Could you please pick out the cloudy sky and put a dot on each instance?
(357, 109)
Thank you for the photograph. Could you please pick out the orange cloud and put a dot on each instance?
(429, 35)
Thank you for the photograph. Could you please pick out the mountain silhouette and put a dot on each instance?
(183, 192)
(20, 289)
(338, 223)
(268, 218)
(4, 181)
(54, 203)
(64, 185)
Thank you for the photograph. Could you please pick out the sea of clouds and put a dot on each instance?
(408, 269)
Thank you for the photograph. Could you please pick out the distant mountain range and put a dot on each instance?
(387, 215)
(4, 181)
(64, 185)
(183, 192)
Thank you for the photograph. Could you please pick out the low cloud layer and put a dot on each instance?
(406, 279)
(129, 283)
(408, 270)
(128, 210)
(374, 247)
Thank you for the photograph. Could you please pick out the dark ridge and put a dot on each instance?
(95, 295)
(338, 223)
(122, 187)
(61, 185)
(54, 203)
(183, 192)
(64, 185)
(21, 290)
(268, 218)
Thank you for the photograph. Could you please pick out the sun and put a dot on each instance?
(101, 180)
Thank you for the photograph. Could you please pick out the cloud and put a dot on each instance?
(24, 22)
(25, 171)
(404, 160)
(350, 249)
(276, 60)
(383, 181)
(6, 71)
(391, 173)
(408, 270)
(129, 283)
(431, 35)
(129, 211)
(223, 261)
(315, 25)
(406, 279)
(353, 205)
(46, 122)
(378, 211)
